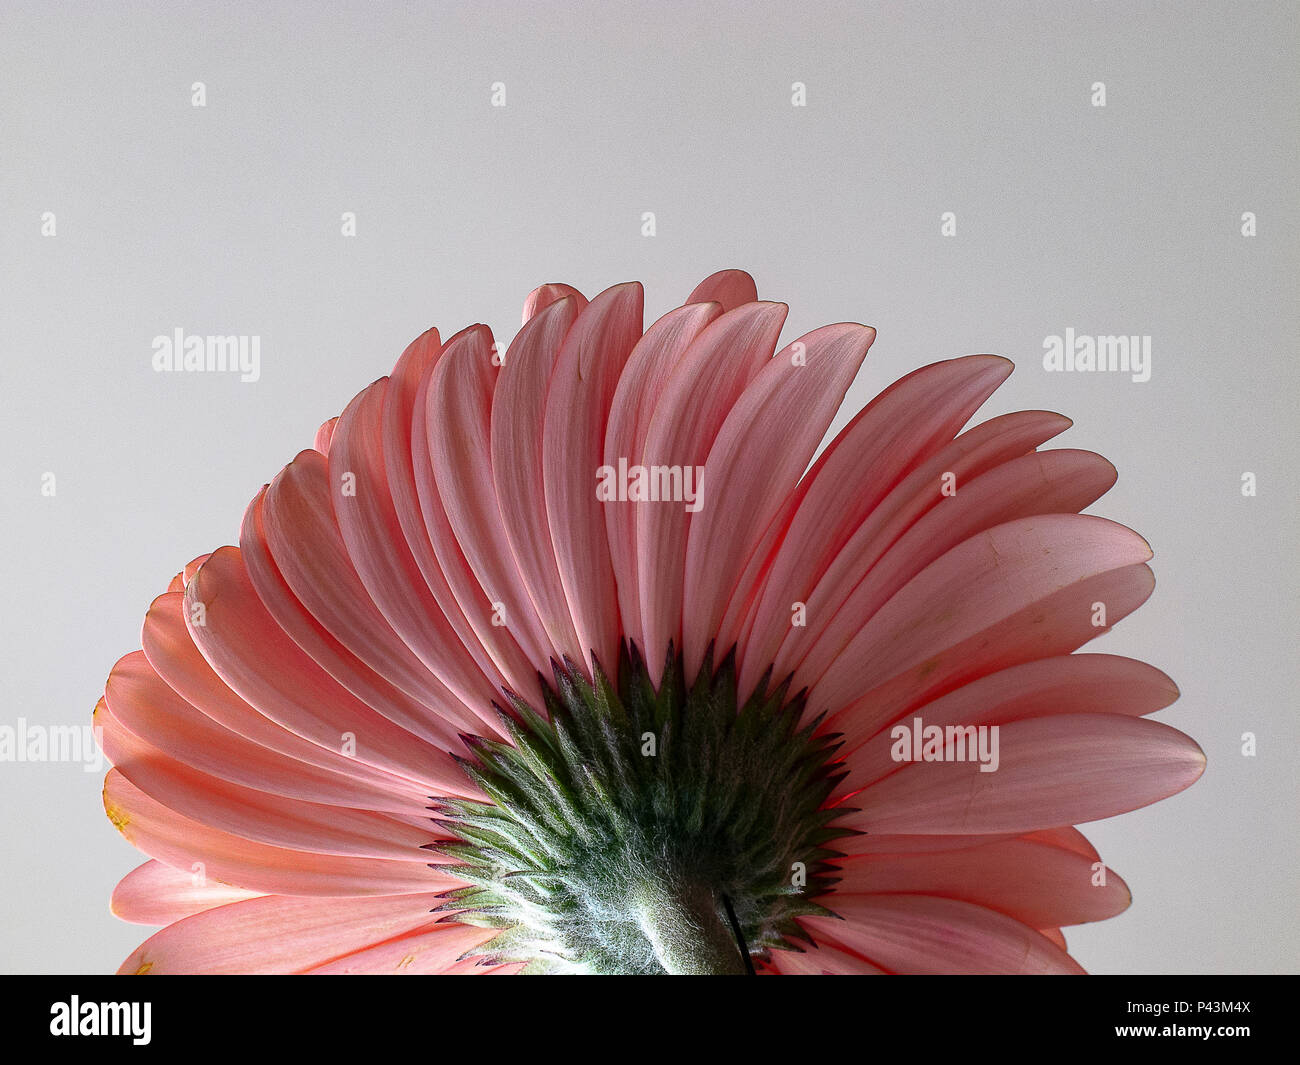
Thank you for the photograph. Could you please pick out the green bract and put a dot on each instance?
(636, 830)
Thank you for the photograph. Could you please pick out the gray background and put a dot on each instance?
(226, 220)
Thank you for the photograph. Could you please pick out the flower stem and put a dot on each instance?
(689, 931)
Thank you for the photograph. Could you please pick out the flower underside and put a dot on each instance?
(643, 831)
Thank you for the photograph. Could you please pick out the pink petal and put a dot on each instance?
(822, 960)
(430, 951)
(1062, 684)
(729, 288)
(459, 432)
(544, 295)
(257, 815)
(192, 567)
(1052, 482)
(137, 698)
(988, 578)
(1055, 625)
(182, 842)
(255, 657)
(573, 440)
(876, 844)
(324, 435)
(355, 647)
(831, 542)
(154, 893)
(1068, 837)
(751, 470)
(643, 380)
(914, 934)
(376, 546)
(453, 581)
(518, 413)
(699, 395)
(1053, 771)
(172, 654)
(1036, 883)
(277, 935)
(446, 629)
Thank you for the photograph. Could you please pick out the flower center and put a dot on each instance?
(641, 830)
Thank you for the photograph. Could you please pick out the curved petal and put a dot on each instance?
(822, 960)
(708, 379)
(455, 576)
(728, 288)
(254, 656)
(459, 433)
(1061, 684)
(426, 952)
(388, 679)
(914, 934)
(154, 893)
(1055, 625)
(647, 372)
(251, 814)
(1038, 884)
(573, 440)
(875, 844)
(174, 657)
(324, 435)
(447, 628)
(274, 934)
(1039, 483)
(375, 545)
(751, 471)
(518, 414)
(182, 842)
(544, 295)
(1052, 771)
(139, 699)
(986, 579)
(847, 496)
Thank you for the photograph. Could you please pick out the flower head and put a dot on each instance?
(568, 657)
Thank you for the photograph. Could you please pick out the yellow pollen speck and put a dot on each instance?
(145, 966)
(406, 961)
(118, 816)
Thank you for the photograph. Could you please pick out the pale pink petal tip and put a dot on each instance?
(544, 295)
(730, 288)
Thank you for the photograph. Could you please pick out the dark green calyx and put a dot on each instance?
(643, 831)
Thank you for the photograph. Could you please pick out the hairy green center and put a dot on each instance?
(635, 830)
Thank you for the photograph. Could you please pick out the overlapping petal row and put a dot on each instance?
(299, 698)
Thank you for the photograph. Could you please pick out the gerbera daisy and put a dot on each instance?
(562, 658)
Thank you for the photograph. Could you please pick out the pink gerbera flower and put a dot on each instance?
(565, 660)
